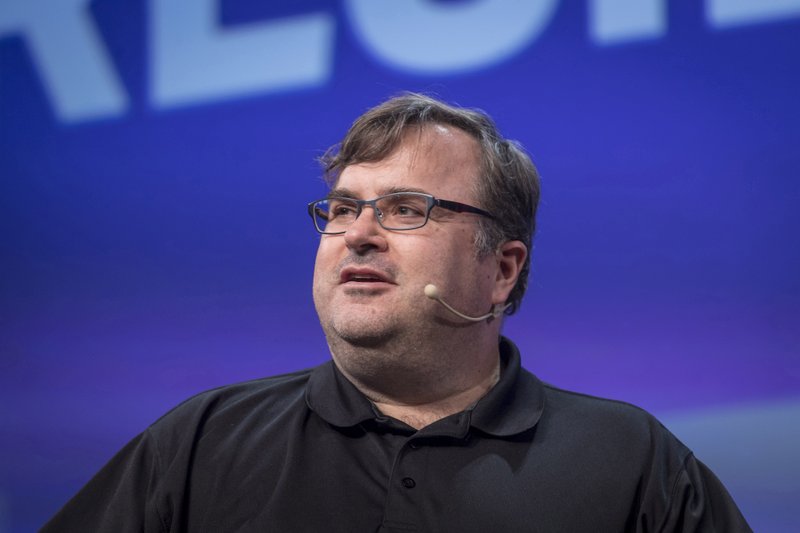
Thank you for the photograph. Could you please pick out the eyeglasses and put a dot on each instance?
(398, 211)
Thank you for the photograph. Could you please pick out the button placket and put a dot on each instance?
(403, 499)
(410, 456)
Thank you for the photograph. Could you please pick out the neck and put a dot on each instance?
(423, 414)
(421, 384)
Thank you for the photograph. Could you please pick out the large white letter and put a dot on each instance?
(426, 36)
(725, 13)
(195, 60)
(615, 21)
(72, 60)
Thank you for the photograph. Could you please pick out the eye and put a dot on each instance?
(405, 206)
(407, 210)
(342, 209)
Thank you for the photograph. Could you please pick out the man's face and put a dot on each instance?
(368, 282)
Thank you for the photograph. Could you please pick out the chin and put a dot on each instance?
(361, 332)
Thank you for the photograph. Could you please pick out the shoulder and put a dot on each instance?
(235, 407)
(626, 451)
(610, 425)
(576, 404)
(278, 389)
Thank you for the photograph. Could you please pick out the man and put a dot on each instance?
(423, 420)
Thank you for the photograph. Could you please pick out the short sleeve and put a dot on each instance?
(122, 497)
(698, 502)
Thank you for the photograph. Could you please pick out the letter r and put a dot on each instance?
(70, 56)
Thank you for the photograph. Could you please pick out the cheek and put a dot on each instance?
(461, 248)
(452, 257)
(326, 255)
(321, 286)
(324, 266)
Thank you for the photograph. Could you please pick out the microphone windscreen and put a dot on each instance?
(431, 291)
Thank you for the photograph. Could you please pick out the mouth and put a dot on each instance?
(364, 276)
(364, 279)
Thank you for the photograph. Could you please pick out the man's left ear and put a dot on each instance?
(510, 258)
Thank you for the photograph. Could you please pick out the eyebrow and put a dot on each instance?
(343, 192)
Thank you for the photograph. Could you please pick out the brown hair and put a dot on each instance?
(508, 186)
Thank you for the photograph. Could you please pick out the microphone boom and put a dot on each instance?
(432, 292)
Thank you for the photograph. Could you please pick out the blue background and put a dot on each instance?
(159, 249)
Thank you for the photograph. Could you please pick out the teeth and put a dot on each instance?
(363, 278)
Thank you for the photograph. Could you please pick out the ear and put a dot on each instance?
(510, 257)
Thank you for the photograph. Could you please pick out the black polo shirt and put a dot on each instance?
(307, 452)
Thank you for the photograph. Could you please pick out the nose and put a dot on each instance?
(365, 233)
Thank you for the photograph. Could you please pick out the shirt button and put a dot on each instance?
(409, 483)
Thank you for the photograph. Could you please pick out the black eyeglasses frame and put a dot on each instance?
(431, 200)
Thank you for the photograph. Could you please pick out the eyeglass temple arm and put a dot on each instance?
(462, 208)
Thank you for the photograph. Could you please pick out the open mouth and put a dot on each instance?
(363, 275)
(366, 279)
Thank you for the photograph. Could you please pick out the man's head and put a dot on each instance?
(370, 272)
(507, 185)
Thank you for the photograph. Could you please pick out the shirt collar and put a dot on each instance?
(515, 404)
(333, 397)
(512, 406)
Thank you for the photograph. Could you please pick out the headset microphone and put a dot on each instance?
(432, 292)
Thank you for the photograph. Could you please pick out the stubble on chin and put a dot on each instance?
(354, 328)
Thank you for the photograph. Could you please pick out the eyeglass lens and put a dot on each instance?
(395, 211)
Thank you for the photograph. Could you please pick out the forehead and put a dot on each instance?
(441, 160)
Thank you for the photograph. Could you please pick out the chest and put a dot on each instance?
(315, 478)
